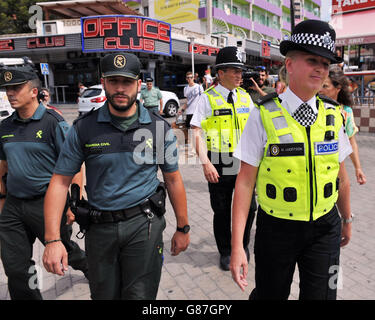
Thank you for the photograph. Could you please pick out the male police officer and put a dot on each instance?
(31, 139)
(294, 147)
(222, 113)
(151, 97)
(122, 145)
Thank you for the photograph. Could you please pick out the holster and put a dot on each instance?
(157, 200)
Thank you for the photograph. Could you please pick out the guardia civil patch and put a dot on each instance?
(326, 147)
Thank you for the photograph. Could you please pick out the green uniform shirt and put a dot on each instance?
(151, 97)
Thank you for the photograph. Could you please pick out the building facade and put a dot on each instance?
(199, 28)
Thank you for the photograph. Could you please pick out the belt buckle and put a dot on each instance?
(118, 215)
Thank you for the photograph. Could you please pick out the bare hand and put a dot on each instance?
(238, 263)
(210, 173)
(55, 258)
(70, 217)
(346, 234)
(361, 178)
(180, 241)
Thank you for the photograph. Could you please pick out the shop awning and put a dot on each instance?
(84, 8)
(351, 28)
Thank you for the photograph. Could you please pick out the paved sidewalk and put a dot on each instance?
(195, 274)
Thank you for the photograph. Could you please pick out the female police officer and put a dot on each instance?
(293, 146)
(122, 144)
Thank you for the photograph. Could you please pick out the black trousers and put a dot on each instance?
(281, 244)
(221, 203)
(21, 222)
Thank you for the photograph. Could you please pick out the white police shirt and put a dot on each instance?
(253, 140)
(203, 109)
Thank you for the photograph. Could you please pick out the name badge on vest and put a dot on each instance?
(243, 110)
(222, 112)
(286, 149)
(326, 147)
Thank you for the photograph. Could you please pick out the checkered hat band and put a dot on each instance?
(314, 39)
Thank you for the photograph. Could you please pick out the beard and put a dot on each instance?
(121, 108)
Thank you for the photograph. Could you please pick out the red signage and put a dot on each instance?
(265, 49)
(344, 6)
(6, 45)
(205, 50)
(45, 42)
(131, 33)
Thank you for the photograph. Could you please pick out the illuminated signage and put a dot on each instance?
(205, 50)
(265, 49)
(344, 6)
(45, 42)
(6, 45)
(126, 33)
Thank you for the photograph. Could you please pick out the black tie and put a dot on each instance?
(304, 115)
(230, 98)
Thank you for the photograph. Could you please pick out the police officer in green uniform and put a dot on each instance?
(222, 112)
(293, 147)
(30, 142)
(122, 145)
(151, 97)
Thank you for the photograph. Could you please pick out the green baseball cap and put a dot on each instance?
(121, 64)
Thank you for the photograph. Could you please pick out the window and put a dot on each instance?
(145, 11)
(234, 10)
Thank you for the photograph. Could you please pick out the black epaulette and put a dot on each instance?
(328, 100)
(55, 114)
(157, 115)
(84, 115)
(266, 98)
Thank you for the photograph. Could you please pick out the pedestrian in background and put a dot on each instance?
(222, 112)
(151, 97)
(336, 87)
(294, 147)
(259, 88)
(31, 140)
(124, 212)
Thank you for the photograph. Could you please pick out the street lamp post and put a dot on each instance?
(192, 54)
(291, 16)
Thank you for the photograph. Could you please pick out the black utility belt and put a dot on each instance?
(97, 216)
(32, 198)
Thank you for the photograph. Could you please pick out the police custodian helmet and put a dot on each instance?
(312, 36)
(121, 64)
(17, 75)
(229, 57)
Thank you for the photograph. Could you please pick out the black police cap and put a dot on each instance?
(229, 57)
(120, 64)
(312, 36)
(13, 76)
(149, 79)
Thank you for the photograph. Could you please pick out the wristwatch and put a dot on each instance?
(350, 220)
(184, 229)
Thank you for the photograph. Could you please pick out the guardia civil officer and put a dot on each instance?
(221, 112)
(151, 97)
(31, 139)
(293, 147)
(122, 145)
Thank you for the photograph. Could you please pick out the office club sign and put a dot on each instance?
(126, 33)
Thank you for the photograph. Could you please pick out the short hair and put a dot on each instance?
(188, 73)
(35, 83)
